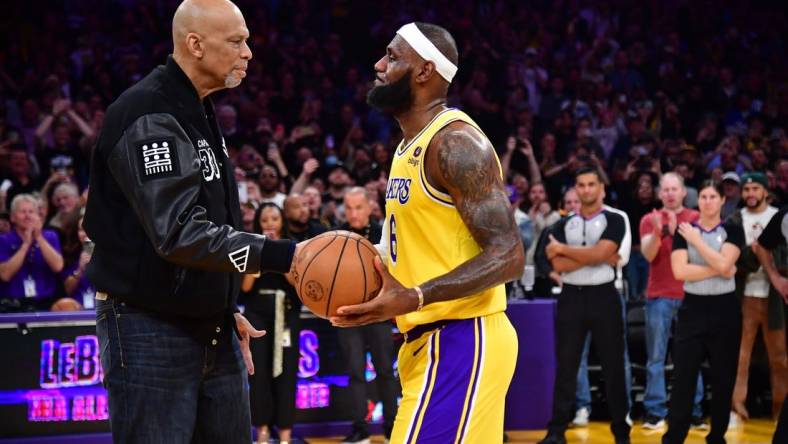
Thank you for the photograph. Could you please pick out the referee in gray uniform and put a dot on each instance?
(709, 320)
(584, 249)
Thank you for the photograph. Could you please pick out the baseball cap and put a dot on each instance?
(730, 175)
(755, 177)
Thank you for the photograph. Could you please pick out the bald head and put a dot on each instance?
(672, 191)
(209, 43)
(296, 211)
(200, 17)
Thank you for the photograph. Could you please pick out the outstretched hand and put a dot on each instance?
(247, 332)
(393, 300)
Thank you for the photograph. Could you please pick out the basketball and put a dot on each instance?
(336, 269)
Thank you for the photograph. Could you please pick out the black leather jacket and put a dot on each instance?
(163, 206)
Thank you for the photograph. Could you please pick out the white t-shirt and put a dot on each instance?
(753, 223)
(278, 199)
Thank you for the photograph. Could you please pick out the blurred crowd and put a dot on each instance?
(638, 89)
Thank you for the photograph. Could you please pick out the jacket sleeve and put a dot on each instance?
(159, 172)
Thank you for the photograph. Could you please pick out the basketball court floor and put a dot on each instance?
(756, 431)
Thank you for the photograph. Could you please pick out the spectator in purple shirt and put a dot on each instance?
(29, 257)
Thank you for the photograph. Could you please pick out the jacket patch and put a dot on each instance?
(239, 258)
(157, 158)
(210, 167)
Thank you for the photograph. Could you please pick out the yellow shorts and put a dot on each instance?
(454, 382)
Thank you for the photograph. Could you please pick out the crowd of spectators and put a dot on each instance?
(638, 89)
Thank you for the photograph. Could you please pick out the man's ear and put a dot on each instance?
(425, 72)
(194, 44)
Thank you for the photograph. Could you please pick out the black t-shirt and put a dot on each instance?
(261, 299)
(776, 231)
(312, 229)
(372, 231)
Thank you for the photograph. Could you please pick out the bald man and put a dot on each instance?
(163, 212)
(299, 225)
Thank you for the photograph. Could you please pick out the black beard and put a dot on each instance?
(296, 225)
(395, 98)
(757, 204)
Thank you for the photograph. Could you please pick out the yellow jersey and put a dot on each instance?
(426, 235)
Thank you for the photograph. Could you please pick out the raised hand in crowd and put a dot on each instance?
(60, 106)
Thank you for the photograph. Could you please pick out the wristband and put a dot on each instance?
(277, 255)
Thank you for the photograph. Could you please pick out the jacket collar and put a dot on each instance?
(184, 87)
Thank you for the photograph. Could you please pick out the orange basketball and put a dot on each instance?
(336, 269)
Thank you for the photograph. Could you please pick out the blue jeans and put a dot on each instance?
(164, 386)
(583, 391)
(660, 313)
(637, 275)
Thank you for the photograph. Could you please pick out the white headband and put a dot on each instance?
(424, 47)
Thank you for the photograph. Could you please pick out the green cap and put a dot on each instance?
(756, 177)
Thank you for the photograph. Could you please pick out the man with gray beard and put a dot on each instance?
(164, 214)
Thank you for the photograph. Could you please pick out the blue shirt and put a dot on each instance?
(33, 268)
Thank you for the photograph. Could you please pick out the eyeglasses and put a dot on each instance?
(268, 175)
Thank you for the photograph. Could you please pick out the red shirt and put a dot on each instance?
(661, 282)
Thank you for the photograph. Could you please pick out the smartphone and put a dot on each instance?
(330, 141)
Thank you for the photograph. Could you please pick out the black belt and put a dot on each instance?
(590, 287)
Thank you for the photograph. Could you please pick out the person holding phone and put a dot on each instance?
(76, 283)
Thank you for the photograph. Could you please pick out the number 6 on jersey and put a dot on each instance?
(393, 239)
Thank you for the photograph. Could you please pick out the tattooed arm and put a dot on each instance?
(467, 170)
(462, 163)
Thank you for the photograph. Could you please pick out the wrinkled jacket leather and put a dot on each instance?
(164, 241)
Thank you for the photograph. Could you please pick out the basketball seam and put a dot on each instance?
(363, 271)
(372, 249)
(334, 279)
(303, 276)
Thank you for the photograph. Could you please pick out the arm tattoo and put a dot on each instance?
(469, 171)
